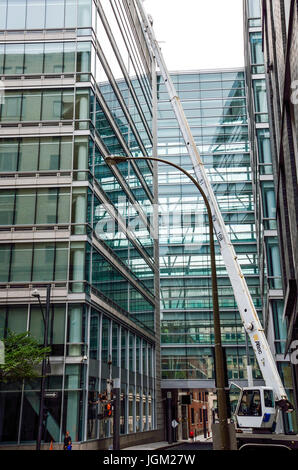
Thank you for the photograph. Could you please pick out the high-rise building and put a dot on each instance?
(271, 201)
(215, 105)
(280, 36)
(78, 84)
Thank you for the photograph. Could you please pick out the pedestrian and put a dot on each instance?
(67, 441)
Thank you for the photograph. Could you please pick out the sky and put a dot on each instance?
(198, 34)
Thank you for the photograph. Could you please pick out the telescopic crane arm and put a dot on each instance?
(249, 316)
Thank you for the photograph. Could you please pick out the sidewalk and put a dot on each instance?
(166, 445)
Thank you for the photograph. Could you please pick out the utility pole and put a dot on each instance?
(46, 317)
(169, 417)
(116, 414)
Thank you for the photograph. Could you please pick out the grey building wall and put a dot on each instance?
(280, 39)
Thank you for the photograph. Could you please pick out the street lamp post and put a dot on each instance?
(219, 357)
(45, 317)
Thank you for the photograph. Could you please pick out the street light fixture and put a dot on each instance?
(219, 356)
(45, 362)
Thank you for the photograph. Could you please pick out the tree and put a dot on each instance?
(23, 354)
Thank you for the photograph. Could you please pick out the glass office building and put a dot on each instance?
(215, 105)
(78, 84)
(265, 182)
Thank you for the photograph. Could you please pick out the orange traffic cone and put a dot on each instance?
(51, 446)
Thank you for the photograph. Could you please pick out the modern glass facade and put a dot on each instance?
(264, 189)
(215, 105)
(78, 86)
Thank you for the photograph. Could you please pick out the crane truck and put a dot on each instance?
(258, 406)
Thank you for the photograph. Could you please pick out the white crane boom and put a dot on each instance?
(248, 313)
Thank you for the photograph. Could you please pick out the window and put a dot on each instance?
(8, 155)
(11, 108)
(33, 58)
(3, 7)
(4, 262)
(84, 13)
(54, 14)
(280, 328)
(260, 100)
(43, 262)
(25, 262)
(70, 13)
(49, 154)
(46, 206)
(268, 398)
(67, 104)
(53, 62)
(192, 411)
(265, 160)
(21, 262)
(24, 207)
(6, 207)
(250, 404)
(35, 14)
(16, 14)
(69, 57)
(257, 56)
(14, 56)
(51, 106)
(28, 158)
(83, 57)
(31, 106)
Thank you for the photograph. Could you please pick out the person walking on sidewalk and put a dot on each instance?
(67, 441)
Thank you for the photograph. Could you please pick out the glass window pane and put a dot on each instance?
(254, 8)
(66, 154)
(70, 13)
(46, 208)
(69, 57)
(1, 57)
(43, 262)
(84, 57)
(61, 263)
(260, 96)
(14, 57)
(84, 13)
(31, 106)
(54, 14)
(6, 207)
(21, 262)
(17, 319)
(35, 14)
(82, 104)
(63, 206)
(28, 159)
(53, 59)
(33, 58)
(4, 262)
(8, 155)
(3, 10)
(25, 207)
(257, 56)
(16, 14)
(49, 154)
(67, 105)
(11, 108)
(51, 105)
(36, 323)
(58, 330)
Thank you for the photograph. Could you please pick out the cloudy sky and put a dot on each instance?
(198, 34)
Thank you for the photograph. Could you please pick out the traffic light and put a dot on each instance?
(108, 410)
